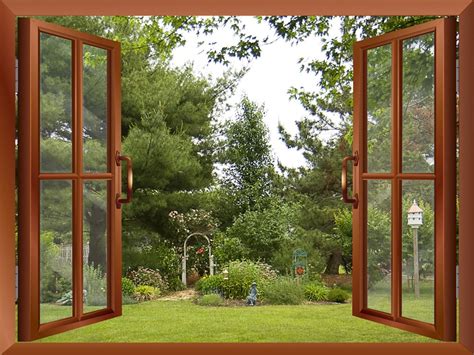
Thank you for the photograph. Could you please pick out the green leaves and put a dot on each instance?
(248, 163)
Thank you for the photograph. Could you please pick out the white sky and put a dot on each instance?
(267, 81)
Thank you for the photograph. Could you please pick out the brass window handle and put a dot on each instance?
(355, 199)
(118, 160)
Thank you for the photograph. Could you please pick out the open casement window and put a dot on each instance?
(69, 179)
(404, 171)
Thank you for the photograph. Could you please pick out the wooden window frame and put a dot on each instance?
(444, 179)
(30, 177)
(9, 9)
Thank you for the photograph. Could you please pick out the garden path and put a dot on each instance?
(187, 294)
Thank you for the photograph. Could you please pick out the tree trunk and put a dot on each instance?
(333, 263)
(97, 242)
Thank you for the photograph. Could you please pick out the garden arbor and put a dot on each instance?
(185, 255)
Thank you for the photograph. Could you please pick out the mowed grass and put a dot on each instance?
(421, 308)
(184, 321)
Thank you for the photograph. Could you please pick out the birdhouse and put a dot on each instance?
(415, 215)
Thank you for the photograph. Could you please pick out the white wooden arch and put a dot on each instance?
(185, 256)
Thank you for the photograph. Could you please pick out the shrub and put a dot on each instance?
(227, 249)
(160, 256)
(56, 279)
(146, 293)
(143, 276)
(283, 290)
(316, 292)
(338, 295)
(212, 299)
(95, 284)
(262, 231)
(128, 300)
(210, 284)
(127, 287)
(242, 274)
(310, 241)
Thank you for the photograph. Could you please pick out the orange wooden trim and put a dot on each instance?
(241, 7)
(445, 184)
(115, 221)
(444, 178)
(358, 185)
(247, 7)
(72, 35)
(466, 178)
(7, 177)
(238, 348)
(29, 317)
(74, 176)
(399, 175)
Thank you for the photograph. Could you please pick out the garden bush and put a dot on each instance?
(160, 256)
(56, 279)
(338, 295)
(211, 299)
(128, 287)
(283, 290)
(242, 274)
(146, 293)
(316, 292)
(240, 277)
(129, 300)
(210, 284)
(95, 284)
(143, 276)
(227, 249)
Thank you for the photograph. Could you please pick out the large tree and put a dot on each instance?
(167, 121)
(329, 106)
(248, 172)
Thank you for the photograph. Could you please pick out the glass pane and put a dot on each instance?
(95, 245)
(94, 111)
(379, 109)
(55, 250)
(418, 109)
(55, 104)
(418, 250)
(379, 224)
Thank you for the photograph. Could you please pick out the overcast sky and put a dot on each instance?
(267, 81)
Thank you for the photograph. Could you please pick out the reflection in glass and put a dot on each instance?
(418, 238)
(379, 221)
(95, 109)
(55, 104)
(418, 104)
(95, 245)
(55, 250)
(379, 114)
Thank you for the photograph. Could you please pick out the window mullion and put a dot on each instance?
(396, 170)
(77, 199)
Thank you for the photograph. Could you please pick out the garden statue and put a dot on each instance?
(252, 297)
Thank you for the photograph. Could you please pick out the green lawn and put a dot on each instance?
(415, 308)
(183, 321)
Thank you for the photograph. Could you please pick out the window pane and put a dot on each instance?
(418, 239)
(55, 104)
(418, 104)
(95, 245)
(55, 250)
(95, 109)
(379, 224)
(379, 109)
